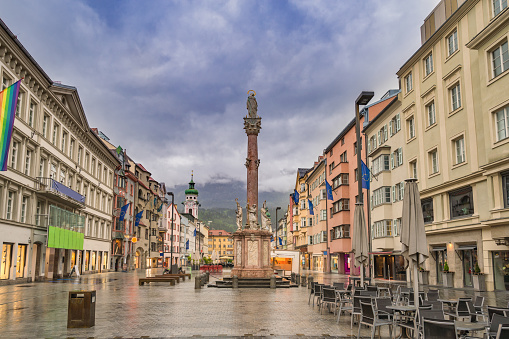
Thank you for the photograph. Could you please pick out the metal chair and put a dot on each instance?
(496, 310)
(474, 313)
(368, 294)
(495, 323)
(318, 294)
(381, 306)
(356, 307)
(503, 332)
(429, 314)
(439, 329)
(461, 309)
(339, 285)
(369, 317)
(345, 304)
(328, 298)
(432, 295)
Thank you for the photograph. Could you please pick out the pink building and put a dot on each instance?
(168, 235)
(341, 173)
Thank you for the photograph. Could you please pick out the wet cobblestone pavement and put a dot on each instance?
(158, 310)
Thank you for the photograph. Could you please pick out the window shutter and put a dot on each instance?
(390, 128)
(385, 133)
(392, 160)
(398, 123)
(379, 139)
(400, 156)
(393, 193)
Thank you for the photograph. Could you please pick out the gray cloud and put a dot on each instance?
(168, 80)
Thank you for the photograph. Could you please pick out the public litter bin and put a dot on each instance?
(81, 309)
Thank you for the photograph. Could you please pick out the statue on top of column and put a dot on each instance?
(238, 213)
(252, 105)
(252, 218)
(265, 216)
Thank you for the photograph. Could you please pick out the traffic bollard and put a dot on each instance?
(197, 282)
(273, 281)
(292, 279)
(297, 279)
(235, 282)
(303, 281)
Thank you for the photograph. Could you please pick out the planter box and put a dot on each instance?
(479, 282)
(424, 277)
(448, 279)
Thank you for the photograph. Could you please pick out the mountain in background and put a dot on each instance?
(217, 203)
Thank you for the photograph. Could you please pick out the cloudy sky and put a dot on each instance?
(168, 80)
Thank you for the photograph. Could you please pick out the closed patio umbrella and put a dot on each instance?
(413, 235)
(360, 239)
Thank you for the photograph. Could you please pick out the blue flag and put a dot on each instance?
(311, 207)
(271, 238)
(194, 232)
(295, 196)
(329, 190)
(123, 211)
(138, 218)
(280, 241)
(365, 175)
(187, 244)
(160, 208)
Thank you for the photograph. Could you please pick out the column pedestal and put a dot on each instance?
(252, 254)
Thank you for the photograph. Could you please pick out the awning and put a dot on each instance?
(438, 248)
(381, 253)
(466, 247)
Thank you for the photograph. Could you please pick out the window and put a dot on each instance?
(303, 204)
(461, 202)
(71, 149)
(340, 232)
(92, 169)
(381, 196)
(500, 59)
(372, 143)
(452, 43)
(398, 191)
(80, 152)
(6, 82)
(382, 228)
(55, 133)
(505, 188)
(430, 110)
(62, 176)
(28, 157)
(24, 203)
(408, 82)
(499, 6)
(310, 221)
(342, 157)
(411, 128)
(428, 64)
(331, 167)
(14, 154)
(19, 103)
(53, 171)
(502, 123)
(323, 215)
(42, 164)
(433, 160)
(45, 126)
(413, 169)
(10, 200)
(302, 187)
(455, 97)
(380, 163)
(341, 179)
(341, 205)
(459, 146)
(395, 125)
(397, 158)
(396, 226)
(303, 222)
(64, 142)
(31, 113)
(323, 194)
(427, 209)
(87, 156)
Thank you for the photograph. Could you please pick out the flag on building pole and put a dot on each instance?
(290, 212)
(194, 232)
(295, 196)
(311, 211)
(123, 211)
(119, 150)
(365, 175)
(160, 208)
(8, 103)
(187, 244)
(280, 241)
(329, 190)
(138, 218)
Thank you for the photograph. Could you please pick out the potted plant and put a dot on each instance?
(447, 276)
(423, 276)
(478, 279)
(505, 270)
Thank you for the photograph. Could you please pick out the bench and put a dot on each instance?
(171, 280)
(177, 276)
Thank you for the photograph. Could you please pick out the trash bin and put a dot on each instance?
(81, 309)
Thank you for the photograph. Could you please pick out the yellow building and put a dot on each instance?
(222, 242)
(298, 216)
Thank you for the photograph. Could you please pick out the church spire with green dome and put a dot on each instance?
(191, 204)
(191, 189)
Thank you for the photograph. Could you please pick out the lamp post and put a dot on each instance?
(275, 227)
(171, 239)
(363, 99)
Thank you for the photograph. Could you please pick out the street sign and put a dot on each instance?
(161, 254)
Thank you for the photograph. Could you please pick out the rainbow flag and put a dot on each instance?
(8, 102)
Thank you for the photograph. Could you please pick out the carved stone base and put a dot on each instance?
(252, 254)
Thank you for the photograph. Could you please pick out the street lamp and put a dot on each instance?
(363, 99)
(171, 239)
(275, 227)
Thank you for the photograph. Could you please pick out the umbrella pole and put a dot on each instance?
(416, 284)
(362, 275)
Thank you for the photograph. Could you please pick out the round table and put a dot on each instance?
(403, 309)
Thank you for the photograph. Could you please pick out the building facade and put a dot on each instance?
(221, 242)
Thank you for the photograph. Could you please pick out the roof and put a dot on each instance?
(390, 93)
(215, 233)
(142, 168)
(381, 113)
(316, 167)
(302, 171)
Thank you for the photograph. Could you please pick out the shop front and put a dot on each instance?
(389, 266)
(501, 269)
(318, 262)
(439, 254)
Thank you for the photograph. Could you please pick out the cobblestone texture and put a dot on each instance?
(157, 310)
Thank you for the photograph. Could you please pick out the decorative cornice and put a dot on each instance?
(252, 125)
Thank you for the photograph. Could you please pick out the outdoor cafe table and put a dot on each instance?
(354, 279)
(451, 304)
(405, 311)
(470, 326)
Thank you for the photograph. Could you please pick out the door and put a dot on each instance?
(439, 265)
(467, 268)
(6, 261)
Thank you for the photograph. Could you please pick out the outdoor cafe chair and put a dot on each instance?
(369, 317)
(318, 294)
(429, 314)
(495, 323)
(339, 285)
(372, 288)
(439, 329)
(344, 303)
(435, 305)
(381, 306)
(474, 312)
(328, 298)
(368, 293)
(356, 307)
(497, 310)
(503, 332)
(461, 309)
(432, 295)
(312, 292)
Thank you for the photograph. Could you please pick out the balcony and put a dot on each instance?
(57, 191)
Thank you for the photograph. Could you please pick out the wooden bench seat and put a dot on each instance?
(171, 280)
